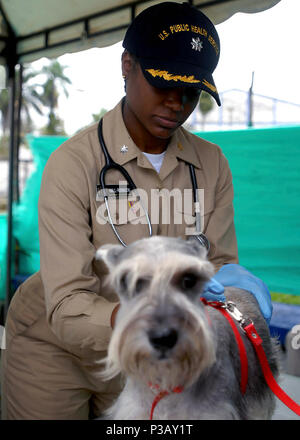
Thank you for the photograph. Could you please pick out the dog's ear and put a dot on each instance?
(109, 253)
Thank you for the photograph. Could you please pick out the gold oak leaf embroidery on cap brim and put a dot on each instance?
(170, 77)
(210, 86)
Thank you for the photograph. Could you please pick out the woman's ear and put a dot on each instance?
(127, 63)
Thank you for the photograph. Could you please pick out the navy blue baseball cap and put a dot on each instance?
(176, 46)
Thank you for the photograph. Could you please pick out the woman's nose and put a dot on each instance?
(174, 99)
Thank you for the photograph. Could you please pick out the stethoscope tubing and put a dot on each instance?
(111, 164)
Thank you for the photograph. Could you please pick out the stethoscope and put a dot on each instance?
(113, 190)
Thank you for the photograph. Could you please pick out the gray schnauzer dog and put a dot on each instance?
(166, 339)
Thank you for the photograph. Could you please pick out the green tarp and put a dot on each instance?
(25, 214)
(3, 241)
(265, 164)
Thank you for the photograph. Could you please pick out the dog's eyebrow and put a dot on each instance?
(183, 247)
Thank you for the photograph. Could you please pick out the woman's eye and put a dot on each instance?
(192, 93)
(188, 281)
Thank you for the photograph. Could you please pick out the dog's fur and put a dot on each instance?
(164, 335)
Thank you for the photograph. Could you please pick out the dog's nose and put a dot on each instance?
(163, 339)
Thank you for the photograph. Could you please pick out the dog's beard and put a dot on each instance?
(131, 352)
(180, 367)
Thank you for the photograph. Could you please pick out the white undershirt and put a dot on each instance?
(156, 160)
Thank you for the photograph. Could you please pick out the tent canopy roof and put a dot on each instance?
(36, 28)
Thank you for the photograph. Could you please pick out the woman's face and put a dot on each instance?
(151, 114)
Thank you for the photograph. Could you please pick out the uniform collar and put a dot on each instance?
(181, 147)
(118, 139)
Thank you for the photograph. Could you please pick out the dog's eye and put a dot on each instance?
(123, 282)
(188, 281)
(141, 284)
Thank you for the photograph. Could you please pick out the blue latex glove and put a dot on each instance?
(213, 291)
(237, 276)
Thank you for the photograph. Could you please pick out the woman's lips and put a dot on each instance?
(165, 122)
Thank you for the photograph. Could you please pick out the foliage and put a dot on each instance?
(206, 104)
(31, 99)
(55, 126)
(4, 142)
(37, 97)
(4, 110)
(55, 81)
(285, 298)
(98, 116)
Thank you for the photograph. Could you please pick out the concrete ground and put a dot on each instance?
(291, 385)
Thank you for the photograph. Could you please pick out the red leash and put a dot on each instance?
(241, 346)
(277, 390)
(248, 327)
(160, 396)
(229, 310)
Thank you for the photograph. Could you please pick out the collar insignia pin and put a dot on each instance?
(124, 149)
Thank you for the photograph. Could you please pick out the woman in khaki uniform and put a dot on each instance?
(60, 320)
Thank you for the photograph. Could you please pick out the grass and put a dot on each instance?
(285, 298)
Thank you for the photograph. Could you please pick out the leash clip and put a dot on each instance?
(237, 314)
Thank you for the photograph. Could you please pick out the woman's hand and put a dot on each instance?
(113, 316)
(235, 275)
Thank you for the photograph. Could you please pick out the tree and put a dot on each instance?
(98, 116)
(35, 96)
(205, 105)
(31, 99)
(55, 127)
(55, 80)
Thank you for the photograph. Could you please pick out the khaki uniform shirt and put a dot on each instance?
(70, 287)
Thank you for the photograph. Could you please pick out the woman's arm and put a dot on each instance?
(78, 316)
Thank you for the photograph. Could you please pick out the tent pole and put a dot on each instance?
(9, 53)
(18, 132)
(12, 98)
(250, 103)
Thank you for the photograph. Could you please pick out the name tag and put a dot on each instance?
(112, 191)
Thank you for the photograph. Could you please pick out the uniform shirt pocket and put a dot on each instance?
(185, 209)
(129, 221)
(121, 212)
